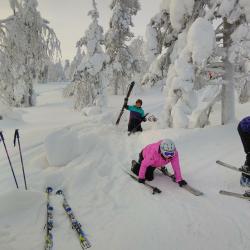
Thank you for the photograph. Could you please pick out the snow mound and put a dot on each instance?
(61, 147)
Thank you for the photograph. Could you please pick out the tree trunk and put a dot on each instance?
(227, 95)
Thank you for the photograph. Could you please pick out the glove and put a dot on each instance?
(141, 181)
(182, 183)
(144, 119)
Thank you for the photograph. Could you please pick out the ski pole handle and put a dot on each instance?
(1, 136)
(16, 135)
(49, 189)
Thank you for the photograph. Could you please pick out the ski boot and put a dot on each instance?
(135, 166)
(247, 193)
(245, 180)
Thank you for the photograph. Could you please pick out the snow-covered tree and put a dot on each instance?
(136, 49)
(56, 72)
(66, 70)
(122, 64)
(233, 50)
(76, 62)
(155, 34)
(196, 54)
(89, 85)
(180, 85)
(27, 45)
(160, 40)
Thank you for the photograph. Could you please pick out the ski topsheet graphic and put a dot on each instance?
(76, 226)
(49, 222)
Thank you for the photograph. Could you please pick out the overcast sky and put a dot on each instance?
(69, 18)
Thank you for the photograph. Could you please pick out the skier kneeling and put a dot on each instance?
(157, 155)
(136, 116)
(244, 132)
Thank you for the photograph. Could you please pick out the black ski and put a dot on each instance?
(187, 187)
(231, 167)
(49, 222)
(74, 222)
(237, 195)
(154, 189)
(130, 87)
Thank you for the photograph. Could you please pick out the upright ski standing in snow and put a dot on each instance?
(49, 222)
(75, 224)
(130, 87)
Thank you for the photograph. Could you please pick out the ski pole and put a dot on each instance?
(16, 136)
(2, 138)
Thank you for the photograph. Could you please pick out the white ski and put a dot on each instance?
(187, 187)
(231, 167)
(237, 195)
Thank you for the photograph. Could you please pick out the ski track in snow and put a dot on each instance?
(116, 212)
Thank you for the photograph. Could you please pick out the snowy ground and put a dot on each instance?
(116, 212)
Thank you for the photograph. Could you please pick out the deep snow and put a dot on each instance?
(116, 212)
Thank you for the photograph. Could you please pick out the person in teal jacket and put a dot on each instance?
(136, 116)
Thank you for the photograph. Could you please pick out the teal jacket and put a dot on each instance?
(135, 112)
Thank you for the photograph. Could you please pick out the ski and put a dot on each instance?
(187, 187)
(237, 195)
(75, 224)
(130, 87)
(49, 222)
(231, 167)
(155, 190)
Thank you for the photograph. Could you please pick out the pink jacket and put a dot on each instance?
(152, 157)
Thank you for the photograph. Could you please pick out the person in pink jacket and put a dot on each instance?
(157, 155)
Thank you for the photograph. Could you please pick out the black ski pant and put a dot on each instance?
(149, 176)
(134, 125)
(245, 138)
